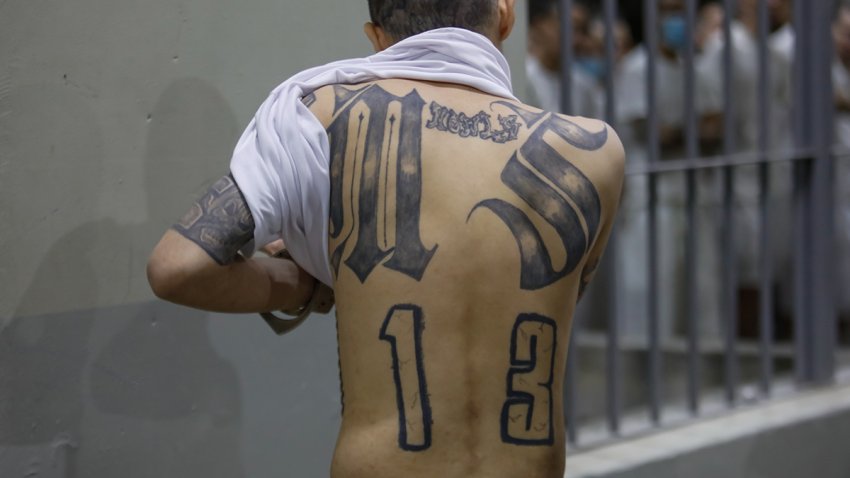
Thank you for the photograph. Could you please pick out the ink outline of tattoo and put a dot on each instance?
(423, 397)
(521, 366)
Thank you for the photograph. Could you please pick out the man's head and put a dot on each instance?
(395, 20)
(544, 32)
(672, 27)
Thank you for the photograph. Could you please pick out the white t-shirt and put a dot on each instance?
(632, 98)
(745, 65)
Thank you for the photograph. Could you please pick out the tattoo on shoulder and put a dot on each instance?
(220, 222)
(569, 201)
(479, 125)
(309, 100)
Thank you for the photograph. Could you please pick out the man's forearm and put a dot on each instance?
(180, 271)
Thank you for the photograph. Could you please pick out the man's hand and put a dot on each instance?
(322, 298)
(274, 248)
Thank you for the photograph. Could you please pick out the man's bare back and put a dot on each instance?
(463, 227)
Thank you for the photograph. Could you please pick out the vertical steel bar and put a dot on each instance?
(567, 55)
(802, 135)
(653, 147)
(802, 273)
(567, 58)
(613, 349)
(766, 311)
(730, 288)
(815, 321)
(610, 54)
(824, 312)
(692, 151)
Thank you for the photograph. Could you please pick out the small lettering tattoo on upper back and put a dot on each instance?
(480, 125)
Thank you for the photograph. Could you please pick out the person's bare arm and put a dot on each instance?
(197, 263)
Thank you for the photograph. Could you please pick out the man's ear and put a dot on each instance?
(377, 36)
(507, 18)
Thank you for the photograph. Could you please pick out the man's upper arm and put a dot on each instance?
(220, 222)
(208, 237)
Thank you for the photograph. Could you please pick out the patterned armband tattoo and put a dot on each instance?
(220, 222)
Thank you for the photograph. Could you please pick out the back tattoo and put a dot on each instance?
(386, 139)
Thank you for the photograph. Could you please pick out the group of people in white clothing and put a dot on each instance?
(629, 74)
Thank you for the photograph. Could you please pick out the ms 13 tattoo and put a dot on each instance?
(556, 190)
(388, 128)
(527, 413)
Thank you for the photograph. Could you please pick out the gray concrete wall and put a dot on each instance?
(114, 115)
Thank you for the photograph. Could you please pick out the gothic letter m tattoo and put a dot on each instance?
(388, 129)
(556, 190)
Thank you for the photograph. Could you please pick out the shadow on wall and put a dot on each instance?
(42, 359)
(132, 391)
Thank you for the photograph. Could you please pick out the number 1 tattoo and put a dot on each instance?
(403, 330)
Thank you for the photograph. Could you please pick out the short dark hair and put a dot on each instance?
(404, 18)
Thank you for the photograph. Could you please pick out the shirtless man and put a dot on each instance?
(457, 263)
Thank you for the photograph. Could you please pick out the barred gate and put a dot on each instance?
(804, 169)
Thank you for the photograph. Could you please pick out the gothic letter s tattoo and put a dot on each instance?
(563, 199)
(220, 222)
(385, 136)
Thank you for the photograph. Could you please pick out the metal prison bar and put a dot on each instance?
(815, 316)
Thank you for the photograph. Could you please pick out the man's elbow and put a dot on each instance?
(177, 268)
(163, 277)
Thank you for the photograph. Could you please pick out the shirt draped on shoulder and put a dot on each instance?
(282, 161)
